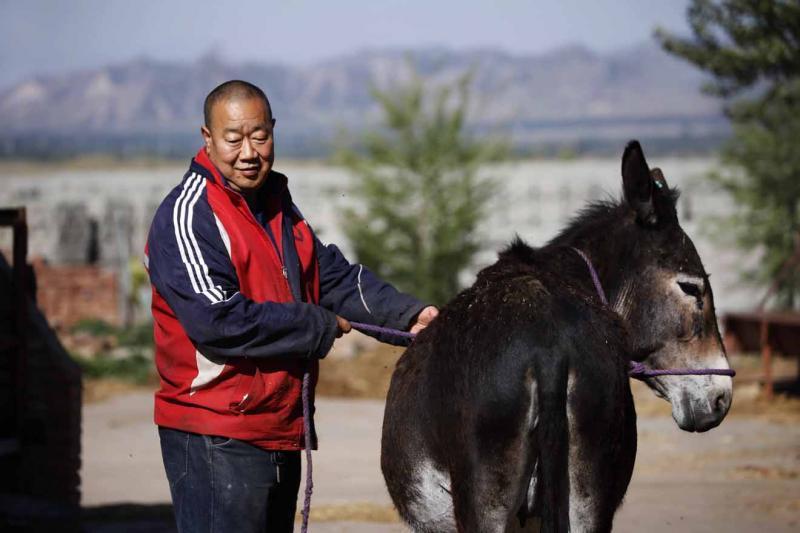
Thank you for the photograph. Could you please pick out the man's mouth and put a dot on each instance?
(249, 172)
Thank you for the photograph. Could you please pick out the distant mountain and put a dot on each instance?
(566, 94)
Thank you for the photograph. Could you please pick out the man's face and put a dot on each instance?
(240, 142)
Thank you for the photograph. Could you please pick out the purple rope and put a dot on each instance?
(637, 370)
(307, 419)
(386, 331)
(641, 371)
(595, 277)
(307, 430)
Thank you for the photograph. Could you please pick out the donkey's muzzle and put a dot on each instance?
(702, 414)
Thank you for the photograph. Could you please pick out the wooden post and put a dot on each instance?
(766, 349)
(766, 357)
(15, 218)
(21, 287)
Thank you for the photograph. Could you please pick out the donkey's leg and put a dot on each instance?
(489, 502)
(430, 510)
(492, 478)
(495, 506)
(600, 452)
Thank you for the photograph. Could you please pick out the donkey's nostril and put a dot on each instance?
(720, 403)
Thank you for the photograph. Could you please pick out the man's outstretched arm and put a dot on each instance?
(354, 292)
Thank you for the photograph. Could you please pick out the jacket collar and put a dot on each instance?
(208, 169)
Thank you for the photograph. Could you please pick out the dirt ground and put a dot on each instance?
(742, 476)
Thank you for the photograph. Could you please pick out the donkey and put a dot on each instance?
(513, 408)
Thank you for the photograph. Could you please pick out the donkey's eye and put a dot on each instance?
(690, 289)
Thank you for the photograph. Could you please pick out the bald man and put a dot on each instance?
(245, 300)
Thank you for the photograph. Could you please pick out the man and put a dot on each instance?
(245, 300)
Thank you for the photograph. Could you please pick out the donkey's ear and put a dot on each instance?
(637, 184)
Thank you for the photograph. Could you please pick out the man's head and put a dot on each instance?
(238, 134)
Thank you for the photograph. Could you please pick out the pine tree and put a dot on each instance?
(751, 48)
(420, 197)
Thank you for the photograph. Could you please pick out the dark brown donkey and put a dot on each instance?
(513, 409)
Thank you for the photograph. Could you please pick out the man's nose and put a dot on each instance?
(248, 152)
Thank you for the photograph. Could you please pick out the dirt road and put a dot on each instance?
(743, 476)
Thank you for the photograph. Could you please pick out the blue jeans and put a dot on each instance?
(222, 485)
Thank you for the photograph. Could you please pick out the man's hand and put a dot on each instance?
(423, 319)
(344, 326)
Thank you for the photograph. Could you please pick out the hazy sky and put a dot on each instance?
(38, 36)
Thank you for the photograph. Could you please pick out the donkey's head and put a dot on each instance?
(666, 299)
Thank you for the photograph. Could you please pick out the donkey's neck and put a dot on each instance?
(601, 233)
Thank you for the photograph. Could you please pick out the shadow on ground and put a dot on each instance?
(129, 518)
(789, 387)
(21, 516)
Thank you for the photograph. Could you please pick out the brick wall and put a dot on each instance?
(69, 294)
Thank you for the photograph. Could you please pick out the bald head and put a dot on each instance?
(230, 91)
(238, 135)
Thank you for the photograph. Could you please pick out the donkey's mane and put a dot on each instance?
(594, 218)
(591, 218)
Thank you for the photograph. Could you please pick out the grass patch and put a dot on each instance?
(123, 355)
(137, 335)
(136, 368)
(94, 327)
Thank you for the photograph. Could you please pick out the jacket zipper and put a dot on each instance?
(272, 243)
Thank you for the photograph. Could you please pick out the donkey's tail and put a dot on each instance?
(553, 437)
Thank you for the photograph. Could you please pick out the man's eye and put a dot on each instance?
(233, 141)
(260, 139)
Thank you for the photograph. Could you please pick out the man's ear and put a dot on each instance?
(637, 184)
(206, 133)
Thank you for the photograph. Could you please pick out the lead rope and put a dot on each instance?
(307, 421)
(637, 370)
(307, 430)
(595, 278)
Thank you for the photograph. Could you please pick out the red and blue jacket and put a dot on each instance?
(245, 299)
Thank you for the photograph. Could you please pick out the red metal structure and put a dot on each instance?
(768, 331)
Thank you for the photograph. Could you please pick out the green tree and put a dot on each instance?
(751, 49)
(419, 195)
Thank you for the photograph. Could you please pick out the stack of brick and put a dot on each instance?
(67, 294)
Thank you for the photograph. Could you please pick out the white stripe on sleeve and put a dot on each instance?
(182, 217)
(178, 237)
(204, 277)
